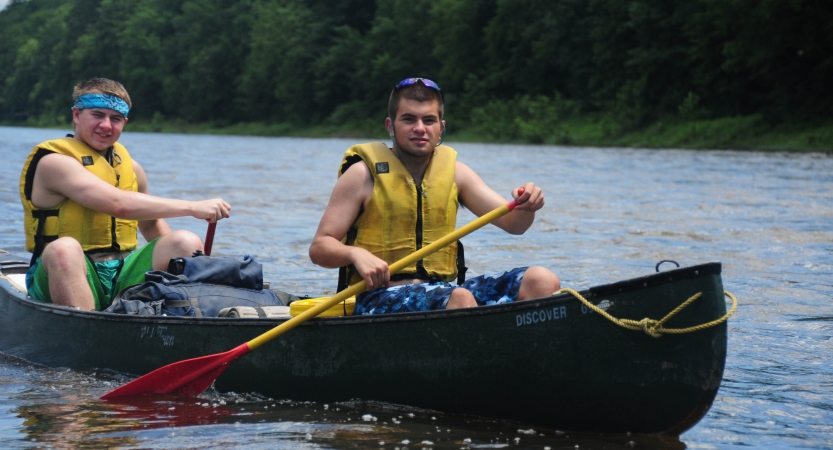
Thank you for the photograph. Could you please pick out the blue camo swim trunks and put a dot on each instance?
(487, 290)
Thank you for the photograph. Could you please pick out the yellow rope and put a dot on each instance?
(654, 327)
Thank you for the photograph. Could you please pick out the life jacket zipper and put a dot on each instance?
(420, 196)
(113, 237)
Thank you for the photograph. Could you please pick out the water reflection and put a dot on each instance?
(59, 408)
(214, 422)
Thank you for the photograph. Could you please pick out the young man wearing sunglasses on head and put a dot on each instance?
(84, 199)
(389, 202)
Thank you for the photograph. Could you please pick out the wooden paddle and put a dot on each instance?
(192, 376)
(209, 238)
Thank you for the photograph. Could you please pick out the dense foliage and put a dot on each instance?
(528, 63)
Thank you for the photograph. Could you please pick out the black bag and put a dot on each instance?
(217, 283)
(242, 272)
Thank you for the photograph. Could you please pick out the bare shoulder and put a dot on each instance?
(56, 167)
(57, 177)
(474, 193)
(466, 178)
(137, 167)
(462, 169)
(355, 182)
(351, 191)
(58, 162)
(357, 169)
(141, 178)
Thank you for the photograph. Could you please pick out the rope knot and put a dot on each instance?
(650, 326)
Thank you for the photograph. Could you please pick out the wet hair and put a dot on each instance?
(101, 86)
(416, 91)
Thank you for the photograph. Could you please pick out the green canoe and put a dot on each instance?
(551, 362)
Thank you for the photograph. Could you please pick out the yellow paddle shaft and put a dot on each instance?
(394, 268)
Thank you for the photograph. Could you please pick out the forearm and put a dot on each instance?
(329, 252)
(138, 206)
(516, 222)
(60, 177)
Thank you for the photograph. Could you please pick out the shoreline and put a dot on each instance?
(729, 133)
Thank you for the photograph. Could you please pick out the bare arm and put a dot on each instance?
(350, 193)
(480, 199)
(152, 228)
(59, 177)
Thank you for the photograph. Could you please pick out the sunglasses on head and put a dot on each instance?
(412, 81)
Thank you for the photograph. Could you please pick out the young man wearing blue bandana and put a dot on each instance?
(84, 199)
(389, 202)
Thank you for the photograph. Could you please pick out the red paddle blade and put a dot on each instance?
(186, 378)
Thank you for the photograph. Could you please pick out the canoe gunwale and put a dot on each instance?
(711, 268)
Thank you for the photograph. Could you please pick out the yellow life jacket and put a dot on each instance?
(402, 217)
(95, 231)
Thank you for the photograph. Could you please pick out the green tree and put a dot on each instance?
(771, 56)
(285, 41)
(145, 64)
(625, 62)
(35, 44)
(203, 57)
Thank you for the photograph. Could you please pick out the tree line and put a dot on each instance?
(308, 62)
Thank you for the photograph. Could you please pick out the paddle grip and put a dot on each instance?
(209, 238)
(511, 205)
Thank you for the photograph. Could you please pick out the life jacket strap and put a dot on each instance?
(40, 239)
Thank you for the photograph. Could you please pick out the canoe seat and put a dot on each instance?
(18, 280)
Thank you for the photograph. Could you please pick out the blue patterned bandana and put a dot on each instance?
(102, 101)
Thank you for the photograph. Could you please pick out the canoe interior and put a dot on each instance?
(548, 362)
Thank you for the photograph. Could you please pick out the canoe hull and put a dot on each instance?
(549, 362)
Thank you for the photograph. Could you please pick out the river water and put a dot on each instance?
(611, 214)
